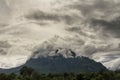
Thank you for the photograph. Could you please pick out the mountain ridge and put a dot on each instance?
(59, 63)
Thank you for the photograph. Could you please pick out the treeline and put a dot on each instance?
(30, 74)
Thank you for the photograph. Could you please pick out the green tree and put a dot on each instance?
(79, 77)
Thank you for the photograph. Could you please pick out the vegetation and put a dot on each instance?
(30, 74)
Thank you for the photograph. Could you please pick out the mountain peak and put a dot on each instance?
(66, 53)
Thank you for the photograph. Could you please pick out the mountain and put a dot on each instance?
(59, 63)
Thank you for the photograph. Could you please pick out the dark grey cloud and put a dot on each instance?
(103, 8)
(39, 15)
(56, 17)
(96, 8)
(112, 27)
(99, 14)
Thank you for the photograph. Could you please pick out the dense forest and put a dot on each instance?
(27, 73)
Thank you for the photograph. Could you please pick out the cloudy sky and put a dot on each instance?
(89, 27)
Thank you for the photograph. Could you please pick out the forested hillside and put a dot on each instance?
(30, 74)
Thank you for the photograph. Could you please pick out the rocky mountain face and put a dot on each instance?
(61, 61)
(59, 64)
(66, 53)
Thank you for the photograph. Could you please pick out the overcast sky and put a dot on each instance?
(89, 27)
